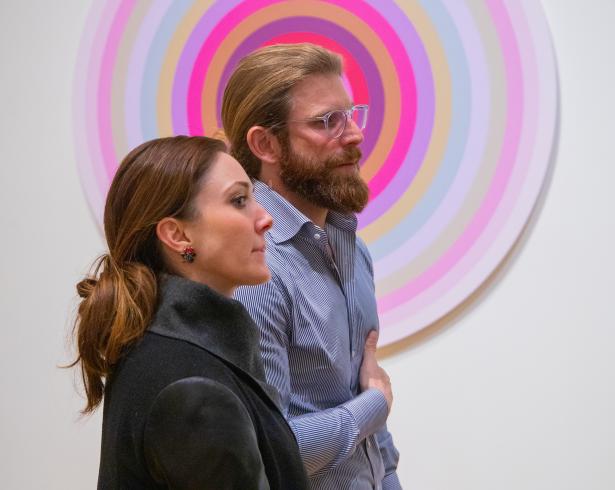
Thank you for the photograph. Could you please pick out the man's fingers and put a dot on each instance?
(371, 342)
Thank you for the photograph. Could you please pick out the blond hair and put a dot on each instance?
(258, 92)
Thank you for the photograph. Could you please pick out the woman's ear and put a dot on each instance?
(170, 231)
(263, 144)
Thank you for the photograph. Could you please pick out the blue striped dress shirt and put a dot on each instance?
(314, 316)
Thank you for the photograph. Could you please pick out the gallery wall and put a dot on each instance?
(513, 390)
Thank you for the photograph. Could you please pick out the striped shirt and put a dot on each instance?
(314, 316)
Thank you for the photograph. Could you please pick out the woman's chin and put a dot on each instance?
(257, 278)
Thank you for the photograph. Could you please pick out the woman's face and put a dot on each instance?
(228, 232)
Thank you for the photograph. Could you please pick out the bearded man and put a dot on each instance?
(294, 128)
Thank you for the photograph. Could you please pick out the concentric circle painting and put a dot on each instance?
(463, 112)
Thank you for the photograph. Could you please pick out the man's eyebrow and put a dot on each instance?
(327, 111)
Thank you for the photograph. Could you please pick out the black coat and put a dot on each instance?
(188, 407)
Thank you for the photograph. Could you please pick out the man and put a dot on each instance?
(293, 127)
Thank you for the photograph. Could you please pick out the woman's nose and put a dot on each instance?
(264, 221)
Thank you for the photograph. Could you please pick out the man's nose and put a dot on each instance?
(352, 134)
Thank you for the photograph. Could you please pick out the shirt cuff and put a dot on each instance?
(369, 410)
(391, 482)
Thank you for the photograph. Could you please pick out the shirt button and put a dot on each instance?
(317, 236)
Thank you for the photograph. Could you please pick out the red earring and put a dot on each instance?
(188, 254)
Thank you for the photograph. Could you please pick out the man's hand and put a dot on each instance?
(371, 375)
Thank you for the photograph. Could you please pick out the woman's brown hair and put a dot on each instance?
(158, 179)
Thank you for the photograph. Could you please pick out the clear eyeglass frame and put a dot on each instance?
(335, 122)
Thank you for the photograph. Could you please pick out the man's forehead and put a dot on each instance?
(317, 94)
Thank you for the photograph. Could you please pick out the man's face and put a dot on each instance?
(321, 169)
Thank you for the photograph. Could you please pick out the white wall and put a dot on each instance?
(517, 392)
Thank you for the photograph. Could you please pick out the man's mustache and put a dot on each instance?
(350, 155)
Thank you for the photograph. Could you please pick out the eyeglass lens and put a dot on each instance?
(337, 120)
(359, 116)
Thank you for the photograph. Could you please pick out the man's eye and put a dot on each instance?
(318, 123)
(337, 119)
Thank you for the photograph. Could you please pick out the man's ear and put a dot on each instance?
(264, 144)
(170, 231)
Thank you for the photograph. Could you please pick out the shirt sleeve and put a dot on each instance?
(325, 438)
(390, 458)
(388, 451)
(199, 435)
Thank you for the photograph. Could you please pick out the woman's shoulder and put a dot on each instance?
(156, 348)
(199, 419)
(155, 362)
(198, 402)
(193, 400)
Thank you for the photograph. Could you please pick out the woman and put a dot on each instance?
(158, 335)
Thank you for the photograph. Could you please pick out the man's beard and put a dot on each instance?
(321, 184)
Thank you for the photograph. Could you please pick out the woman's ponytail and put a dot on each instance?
(117, 306)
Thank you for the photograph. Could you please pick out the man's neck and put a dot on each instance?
(314, 213)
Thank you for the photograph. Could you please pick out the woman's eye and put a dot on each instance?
(239, 201)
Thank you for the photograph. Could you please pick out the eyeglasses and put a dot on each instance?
(334, 122)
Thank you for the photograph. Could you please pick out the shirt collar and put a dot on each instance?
(288, 220)
(345, 222)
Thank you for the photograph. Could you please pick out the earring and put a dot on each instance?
(188, 254)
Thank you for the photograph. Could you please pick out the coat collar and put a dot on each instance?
(195, 313)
